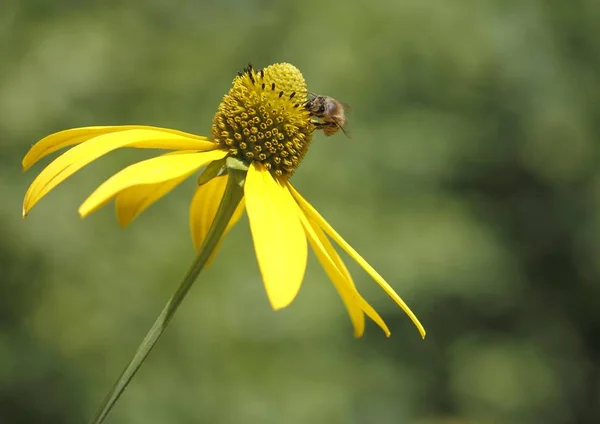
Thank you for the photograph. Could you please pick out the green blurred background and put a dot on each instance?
(471, 183)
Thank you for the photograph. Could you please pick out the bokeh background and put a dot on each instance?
(472, 183)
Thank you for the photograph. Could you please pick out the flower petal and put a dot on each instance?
(343, 287)
(314, 215)
(73, 136)
(203, 209)
(132, 201)
(333, 255)
(152, 171)
(278, 236)
(362, 303)
(79, 156)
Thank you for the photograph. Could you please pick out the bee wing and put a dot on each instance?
(347, 108)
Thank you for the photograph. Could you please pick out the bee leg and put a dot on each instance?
(322, 125)
(329, 127)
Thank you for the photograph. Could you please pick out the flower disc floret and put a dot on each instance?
(263, 119)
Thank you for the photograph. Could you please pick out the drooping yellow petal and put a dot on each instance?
(345, 290)
(203, 209)
(132, 201)
(364, 305)
(333, 255)
(372, 313)
(279, 239)
(73, 136)
(314, 215)
(79, 156)
(152, 171)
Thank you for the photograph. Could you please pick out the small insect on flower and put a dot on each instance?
(331, 113)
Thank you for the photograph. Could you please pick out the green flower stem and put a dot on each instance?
(231, 199)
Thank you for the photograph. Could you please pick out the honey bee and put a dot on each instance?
(330, 112)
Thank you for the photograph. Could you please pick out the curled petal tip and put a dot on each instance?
(277, 307)
(25, 164)
(24, 212)
(277, 304)
(122, 223)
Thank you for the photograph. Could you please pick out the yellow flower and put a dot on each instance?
(263, 126)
